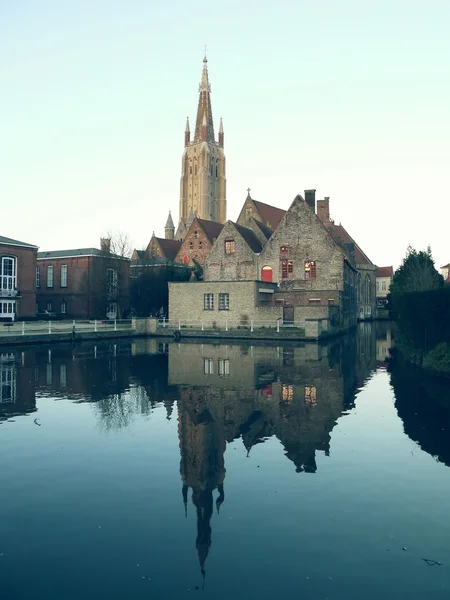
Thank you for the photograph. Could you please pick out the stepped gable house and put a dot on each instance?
(85, 283)
(300, 272)
(198, 241)
(17, 279)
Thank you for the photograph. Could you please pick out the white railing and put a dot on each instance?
(232, 325)
(69, 327)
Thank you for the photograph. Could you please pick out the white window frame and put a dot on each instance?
(8, 281)
(111, 281)
(208, 301)
(50, 273)
(7, 383)
(63, 307)
(111, 310)
(223, 367)
(208, 366)
(63, 275)
(224, 301)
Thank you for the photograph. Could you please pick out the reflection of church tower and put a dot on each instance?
(202, 186)
(202, 446)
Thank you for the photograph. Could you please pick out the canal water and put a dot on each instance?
(146, 469)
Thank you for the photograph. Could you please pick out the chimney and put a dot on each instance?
(323, 210)
(310, 199)
(105, 245)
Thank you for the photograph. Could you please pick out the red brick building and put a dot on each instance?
(198, 241)
(85, 283)
(17, 279)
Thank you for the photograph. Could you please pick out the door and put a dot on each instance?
(288, 315)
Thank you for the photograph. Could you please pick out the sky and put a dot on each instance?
(350, 98)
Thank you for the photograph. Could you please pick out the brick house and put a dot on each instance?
(17, 279)
(85, 283)
(198, 241)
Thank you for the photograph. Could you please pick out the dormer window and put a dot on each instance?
(284, 250)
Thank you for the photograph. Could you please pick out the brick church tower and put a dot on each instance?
(203, 183)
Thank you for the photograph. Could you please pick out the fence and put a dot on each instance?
(63, 327)
(245, 325)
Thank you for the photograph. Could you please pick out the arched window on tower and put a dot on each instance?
(217, 168)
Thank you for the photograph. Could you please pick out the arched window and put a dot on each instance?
(266, 274)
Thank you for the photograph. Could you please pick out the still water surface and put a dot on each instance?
(150, 470)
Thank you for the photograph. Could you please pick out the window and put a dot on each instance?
(208, 300)
(224, 367)
(310, 395)
(63, 275)
(310, 269)
(8, 383)
(287, 393)
(195, 234)
(63, 375)
(49, 306)
(191, 246)
(224, 301)
(230, 246)
(314, 301)
(287, 269)
(38, 277)
(63, 308)
(383, 286)
(8, 273)
(330, 301)
(208, 366)
(284, 250)
(50, 276)
(200, 245)
(111, 311)
(111, 277)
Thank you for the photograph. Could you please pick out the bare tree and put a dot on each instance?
(119, 243)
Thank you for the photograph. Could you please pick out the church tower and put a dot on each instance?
(203, 182)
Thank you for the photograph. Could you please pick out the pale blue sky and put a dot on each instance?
(351, 98)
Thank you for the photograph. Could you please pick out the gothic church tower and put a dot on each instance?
(203, 182)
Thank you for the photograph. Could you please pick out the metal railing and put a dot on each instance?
(232, 325)
(14, 328)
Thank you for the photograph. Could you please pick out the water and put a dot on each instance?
(152, 470)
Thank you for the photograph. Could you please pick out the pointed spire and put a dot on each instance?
(187, 133)
(169, 222)
(169, 229)
(190, 219)
(204, 107)
(221, 133)
(187, 130)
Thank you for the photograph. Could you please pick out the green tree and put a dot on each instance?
(417, 273)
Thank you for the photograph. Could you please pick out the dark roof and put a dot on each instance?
(77, 252)
(140, 254)
(269, 214)
(384, 272)
(10, 242)
(267, 232)
(169, 247)
(346, 238)
(212, 229)
(250, 237)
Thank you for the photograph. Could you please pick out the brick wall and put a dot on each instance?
(200, 249)
(26, 278)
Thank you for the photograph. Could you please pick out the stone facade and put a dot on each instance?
(234, 255)
(17, 279)
(203, 181)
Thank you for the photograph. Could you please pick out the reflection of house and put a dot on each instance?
(17, 391)
(17, 279)
(384, 277)
(85, 283)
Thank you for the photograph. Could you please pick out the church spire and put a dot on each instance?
(187, 133)
(204, 107)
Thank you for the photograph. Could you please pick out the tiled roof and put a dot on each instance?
(267, 232)
(169, 247)
(76, 252)
(211, 228)
(140, 254)
(346, 238)
(384, 272)
(250, 237)
(269, 214)
(10, 242)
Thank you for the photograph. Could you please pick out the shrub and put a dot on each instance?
(438, 359)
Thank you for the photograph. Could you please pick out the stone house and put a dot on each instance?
(445, 272)
(234, 255)
(265, 214)
(198, 241)
(85, 283)
(366, 269)
(17, 279)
